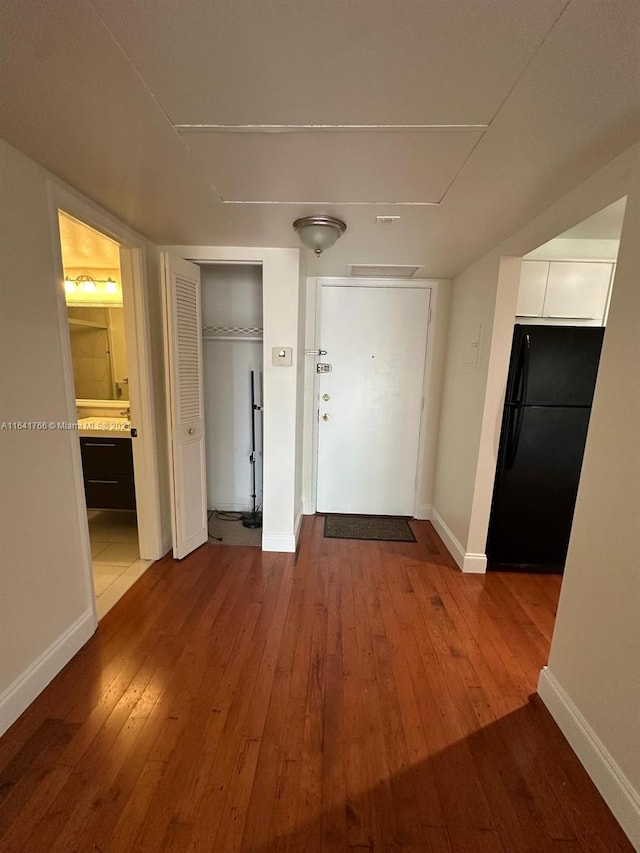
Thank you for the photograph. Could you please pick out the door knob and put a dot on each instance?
(326, 397)
(191, 430)
(325, 417)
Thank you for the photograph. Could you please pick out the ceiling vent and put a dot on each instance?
(383, 270)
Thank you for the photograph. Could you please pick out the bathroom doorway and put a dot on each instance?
(99, 346)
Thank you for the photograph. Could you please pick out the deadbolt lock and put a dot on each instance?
(326, 397)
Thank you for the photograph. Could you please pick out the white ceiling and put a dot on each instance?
(473, 116)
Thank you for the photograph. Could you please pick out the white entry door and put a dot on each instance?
(183, 342)
(370, 403)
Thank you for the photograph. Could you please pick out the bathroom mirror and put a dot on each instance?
(98, 352)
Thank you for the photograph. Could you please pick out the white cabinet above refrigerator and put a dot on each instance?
(565, 291)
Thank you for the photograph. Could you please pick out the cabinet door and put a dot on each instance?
(577, 290)
(106, 456)
(533, 284)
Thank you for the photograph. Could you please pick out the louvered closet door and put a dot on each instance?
(183, 341)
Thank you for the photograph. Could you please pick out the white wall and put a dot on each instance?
(485, 295)
(231, 296)
(154, 306)
(437, 340)
(464, 389)
(282, 385)
(301, 392)
(592, 684)
(46, 607)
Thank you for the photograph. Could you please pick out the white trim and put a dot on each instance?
(608, 777)
(55, 196)
(423, 511)
(99, 404)
(451, 542)
(229, 506)
(474, 564)
(29, 684)
(284, 543)
(298, 524)
(309, 507)
(142, 401)
(467, 562)
(337, 128)
(426, 391)
(139, 355)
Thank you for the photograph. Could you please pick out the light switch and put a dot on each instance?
(282, 356)
(471, 347)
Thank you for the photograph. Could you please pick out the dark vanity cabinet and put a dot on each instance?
(107, 465)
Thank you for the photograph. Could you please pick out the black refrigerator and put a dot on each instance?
(550, 385)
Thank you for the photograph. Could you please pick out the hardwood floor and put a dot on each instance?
(366, 696)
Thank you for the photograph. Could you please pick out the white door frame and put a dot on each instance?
(281, 515)
(313, 318)
(138, 340)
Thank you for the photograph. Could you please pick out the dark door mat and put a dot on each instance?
(379, 527)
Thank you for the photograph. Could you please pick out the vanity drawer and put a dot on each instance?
(109, 491)
(106, 455)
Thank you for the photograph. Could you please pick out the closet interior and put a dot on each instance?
(232, 349)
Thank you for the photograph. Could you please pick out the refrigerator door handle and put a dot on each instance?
(513, 434)
(522, 374)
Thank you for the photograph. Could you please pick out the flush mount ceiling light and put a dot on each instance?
(319, 232)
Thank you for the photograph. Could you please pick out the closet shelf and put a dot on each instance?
(232, 333)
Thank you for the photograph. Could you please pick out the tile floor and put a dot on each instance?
(115, 555)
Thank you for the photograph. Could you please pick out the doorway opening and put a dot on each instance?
(563, 300)
(100, 349)
(232, 356)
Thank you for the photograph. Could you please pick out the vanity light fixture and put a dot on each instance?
(88, 284)
(319, 233)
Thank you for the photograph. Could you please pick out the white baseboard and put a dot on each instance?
(19, 695)
(423, 511)
(308, 507)
(468, 563)
(226, 506)
(609, 779)
(453, 546)
(280, 542)
(475, 564)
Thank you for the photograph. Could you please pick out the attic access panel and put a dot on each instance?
(415, 166)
